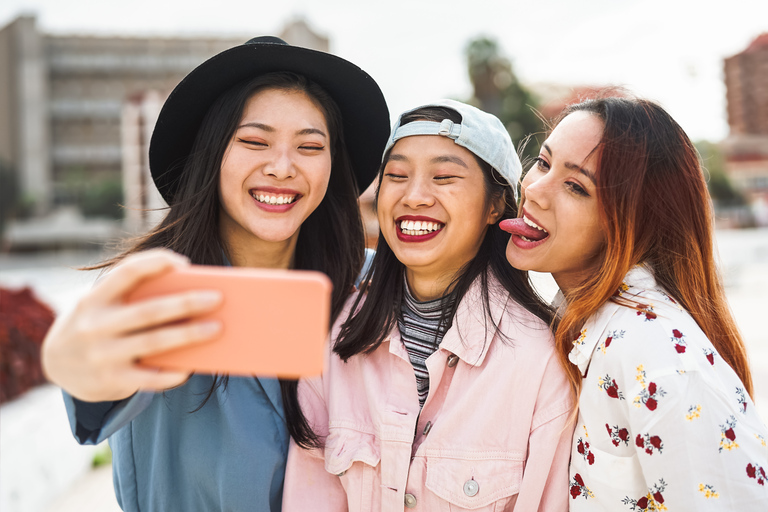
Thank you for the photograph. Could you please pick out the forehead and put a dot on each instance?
(283, 104)
(576, 136)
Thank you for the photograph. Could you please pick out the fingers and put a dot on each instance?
(149, 313)
(159, 340)
(131, 271)
(149, 379)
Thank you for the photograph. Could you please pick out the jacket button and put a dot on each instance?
(427, 427)
(410, 501)
(471, 487)
(453, 360)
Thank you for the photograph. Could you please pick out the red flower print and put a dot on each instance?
(618, 435)
(742, 399)
(730, 434)
(649, 443)
(679, 340)
(624, 435)
(610, 387)
(651, 501)
(579, 489)
(583, 448)
(757, 472)
(710, 355)
(652, 388)
(608, 341)
(650, 393)
(651, 404)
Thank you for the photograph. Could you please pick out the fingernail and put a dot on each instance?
(208, 328)
(210, 297)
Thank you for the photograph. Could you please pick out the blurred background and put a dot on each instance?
(82, 81)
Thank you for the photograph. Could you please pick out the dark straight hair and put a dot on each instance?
(377, 307)
(331, 239)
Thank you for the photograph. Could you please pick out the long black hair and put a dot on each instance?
(331, 239)
(377, 307)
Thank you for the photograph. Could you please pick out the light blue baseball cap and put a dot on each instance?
(480, 132)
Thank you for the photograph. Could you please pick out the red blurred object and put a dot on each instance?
(24, 321)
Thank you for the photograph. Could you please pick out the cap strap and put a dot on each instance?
(446, 128)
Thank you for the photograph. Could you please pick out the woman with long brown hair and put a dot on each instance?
(616, 209)
(259, 152)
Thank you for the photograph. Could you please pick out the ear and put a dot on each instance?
(497, 207)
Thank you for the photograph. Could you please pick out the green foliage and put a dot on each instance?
(497, 90)
(96, 196)
(720, 187)
(102, 456)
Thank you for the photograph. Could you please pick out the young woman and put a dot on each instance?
(443, 388)
(258, 152)
(616, 208)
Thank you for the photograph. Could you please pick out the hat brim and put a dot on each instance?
(364, 112)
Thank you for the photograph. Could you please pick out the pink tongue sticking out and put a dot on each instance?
(520, 228)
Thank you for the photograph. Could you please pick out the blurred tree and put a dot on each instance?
(720, 187)
(497, 91)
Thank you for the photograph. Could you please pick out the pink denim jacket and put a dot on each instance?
(494, 433)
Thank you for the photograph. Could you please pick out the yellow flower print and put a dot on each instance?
(709, 491)
(581, 339)
(694, 412)
(761, 439)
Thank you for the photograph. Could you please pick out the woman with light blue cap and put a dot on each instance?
(442, 387)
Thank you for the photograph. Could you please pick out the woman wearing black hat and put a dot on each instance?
(254, 144)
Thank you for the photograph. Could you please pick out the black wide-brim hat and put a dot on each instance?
(365, 117)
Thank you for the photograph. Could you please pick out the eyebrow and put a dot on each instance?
(267, 128)
(573, 167)
(437, 160)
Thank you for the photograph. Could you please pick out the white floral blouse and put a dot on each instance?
(664, 423)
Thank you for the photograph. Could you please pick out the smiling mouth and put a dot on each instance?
(419, 228)
(274, 199)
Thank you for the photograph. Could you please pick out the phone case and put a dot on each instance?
(275, 322)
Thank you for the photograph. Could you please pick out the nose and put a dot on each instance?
(280, 164)
(536, 189)
(418, 194)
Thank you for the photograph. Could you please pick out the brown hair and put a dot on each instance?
(654, 209)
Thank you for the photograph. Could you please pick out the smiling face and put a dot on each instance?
(433, 210)
(274, 174)
(559, 230)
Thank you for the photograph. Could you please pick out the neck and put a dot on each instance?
(426, 287)
(249, 251)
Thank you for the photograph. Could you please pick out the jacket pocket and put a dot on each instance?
(474, 480)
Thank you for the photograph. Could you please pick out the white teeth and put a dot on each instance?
(410, 227)
(277, 200)
(533, 224)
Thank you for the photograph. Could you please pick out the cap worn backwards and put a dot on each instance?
(480, 132)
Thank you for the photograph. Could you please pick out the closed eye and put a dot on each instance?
(314, 148)
(446, 177)
(394, 176)
(252, 142)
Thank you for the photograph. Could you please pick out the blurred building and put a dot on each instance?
(746, 148)
(80, 109)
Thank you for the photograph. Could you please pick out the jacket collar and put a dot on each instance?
(472, 330)
(638, 278)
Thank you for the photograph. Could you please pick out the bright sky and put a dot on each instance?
(671, 51)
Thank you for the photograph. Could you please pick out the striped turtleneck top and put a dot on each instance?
(422, 333)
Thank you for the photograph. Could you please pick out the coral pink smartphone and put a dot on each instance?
(275, 322)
